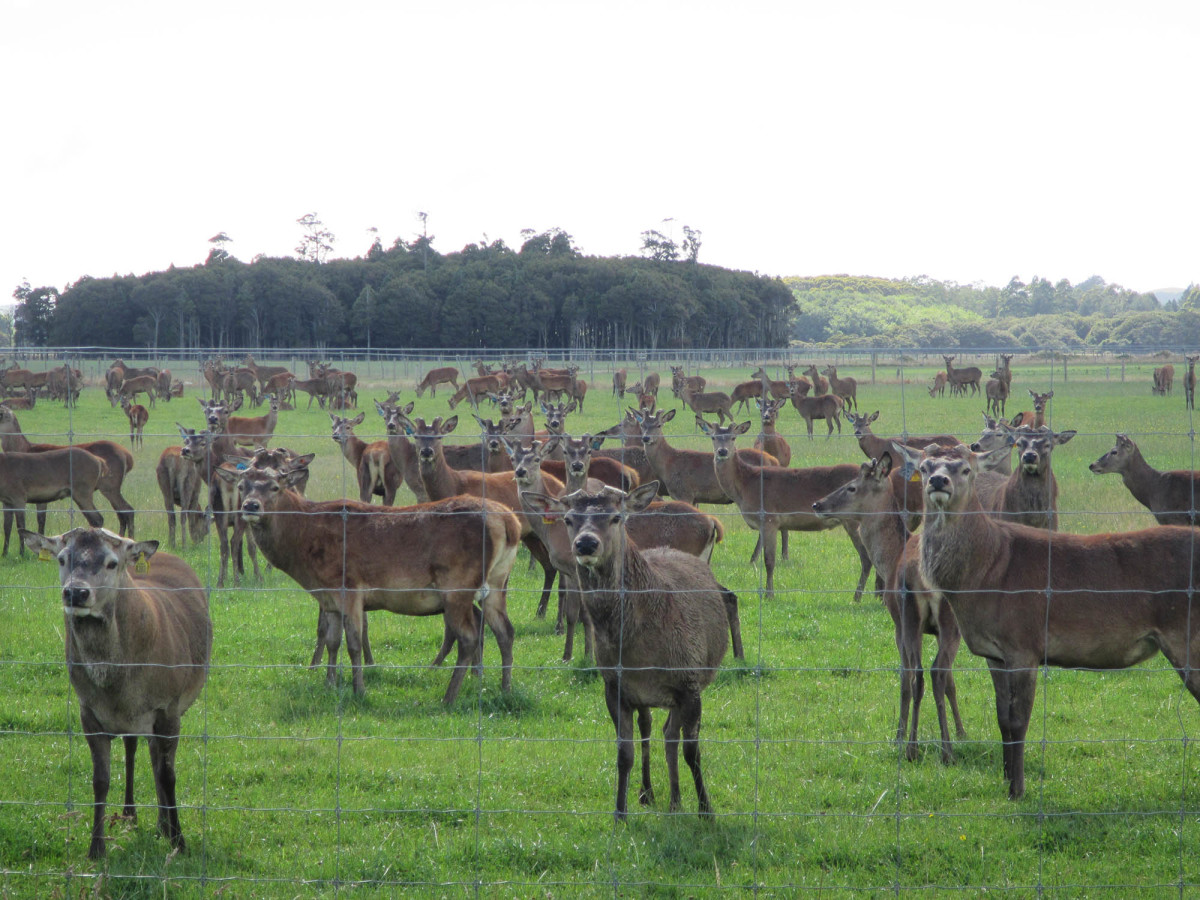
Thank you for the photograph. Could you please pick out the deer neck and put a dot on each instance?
(957, 545)
(614, 590)
(884, 533)
(353, 448)
(439, 479)
(735, 476)
(15, 441)
(1139, 476)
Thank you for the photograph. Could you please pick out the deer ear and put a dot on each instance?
(543, 504)
(449, 425)
(640, 497)
(668, 416)
(38, 543)
(1063, 436)
(741, 429)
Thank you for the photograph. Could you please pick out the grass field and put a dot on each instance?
(289, 789)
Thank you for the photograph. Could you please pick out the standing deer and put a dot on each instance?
(138, 417)
(1189, 382)
(822, 406)
(372, 463)
(1025, 598)
(769, 440)
(1170, 496)
(662, 624)
(418, 560)
(138, 645)
(961, 379)
(618, 382)
(846, 388)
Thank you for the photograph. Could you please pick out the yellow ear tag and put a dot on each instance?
(915, 477)
(45, 555)
(548, 520)
(142, 566)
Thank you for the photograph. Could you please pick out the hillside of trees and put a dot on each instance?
(548, 294)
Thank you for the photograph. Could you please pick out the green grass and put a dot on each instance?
(293, 790)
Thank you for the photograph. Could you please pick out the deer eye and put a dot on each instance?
(616, 520)
(111, 564)
(851, 489)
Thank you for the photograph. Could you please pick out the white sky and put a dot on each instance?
(966, 141)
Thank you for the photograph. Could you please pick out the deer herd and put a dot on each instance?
(962, 537)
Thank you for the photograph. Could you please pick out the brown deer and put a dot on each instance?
(1026, 598)
(769, 440)
(1170, 495)
(1030, 495)
(163, 388)
(576, 387)
(45, 477)
(961, 379)
(820, 384)
(1189, 382)
(401, 449)
(282, 386)
(846, 388)
(21, 403)
(238, 382)
(417, 560)
(138, 644)
(264, 375)
(689, 474)
(118, 463)
(180, 485)
(773, 499)
(938, 389)
(434, 377)
(1164, 379)
(253, 431)
(996, 392)
(680, 379)
(316, 388)
(138, 417)
(372, 463)
(869, 504)
(709, 402)
(662, 624)
(618, 382)
(131, 387)
(821, 406)
(475, 388)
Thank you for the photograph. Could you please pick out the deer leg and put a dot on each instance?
(352, 619)
(671, 744)
(163, 744)
(768, 532)
(537, 551)
(447, 644)
(944, 689)
(41, 517)
(495, 613)
(8, 523)
(368, 656)
(622, 716)
(735, 621)
(124, 513)
(129, 810)
(864, 560)
(461, 618)
(569, 603)
(322, 624)
(1015, 690)
(646, 794)
(757, 550)
(689, 713)
(333, 641)
(100, 745)
(87, 506)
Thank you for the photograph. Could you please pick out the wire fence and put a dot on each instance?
(292, 785)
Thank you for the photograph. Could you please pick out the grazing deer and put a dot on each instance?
(961, 379)
(1164, 379)
(773, 499)
(164, 385)
(662, 624)
(417, 560)
(372, 463)
(869, 503)
(282, 386)
(1189, 382)
(138, 644)
(474, 388)
(138, 417)
(118, 463)
(131, 387)
(236, 382)
(846, 388)
(316, 388)
(1026, 598)
(618, 382)
(1171, 495)
(939, 385)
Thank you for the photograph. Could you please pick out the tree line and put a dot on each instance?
(545, 294)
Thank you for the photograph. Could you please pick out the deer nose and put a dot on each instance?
(938, 482)
(1029, 458)
(75, 595)
(426, 453)
(586, 545)
(976, 447)
(252, 506)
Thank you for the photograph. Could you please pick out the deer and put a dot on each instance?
(1030, 496)
(822, 406)
(938, 389)
(820, 384)
(680, 379)
(1026, 598)
(1189, 382)
(434, 377)
(341, 384)
(138, 645)
(44, 477)
(996, 391)
(316, 388)
(21, 403)
(131, 387)
(118, 463)
(282, 386)
(1169, 495)
(401, 449)
(869, 503)
(620, 376)
(662, 623)
(180, 484)
(163, 387)
(474, 388)
(962, 378)
(772, 499)
(769, 440)
(253, 431)
(710, 402)
(576, 386)
(631, 453)
(1164, 379)
(846, 388)
(372, 463)
(746, 391)
(266, 375)
(354, 558)
(138, 417)
(237, 382)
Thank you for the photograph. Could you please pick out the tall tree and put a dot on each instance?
(362, 315)
(691, 243)
(316, 243)
(34, 313)
(657, 245)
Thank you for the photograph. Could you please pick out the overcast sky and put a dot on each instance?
(964, 141)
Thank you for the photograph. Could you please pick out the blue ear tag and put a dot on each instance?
(242, 467)
(910, 471)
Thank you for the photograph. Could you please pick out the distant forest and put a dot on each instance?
(548, 294)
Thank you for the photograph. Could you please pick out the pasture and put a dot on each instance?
(289, 789)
